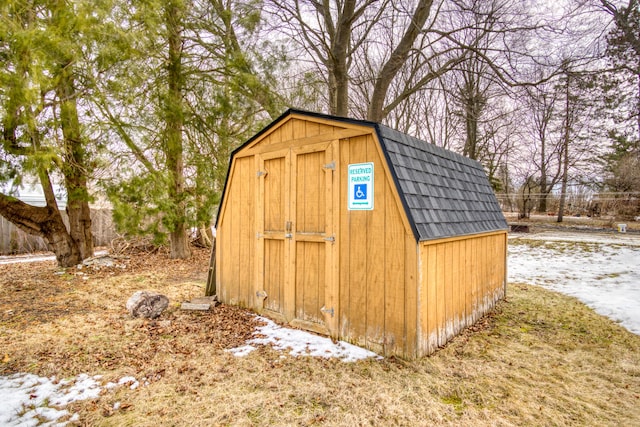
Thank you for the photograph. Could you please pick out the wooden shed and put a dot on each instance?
(354, 230)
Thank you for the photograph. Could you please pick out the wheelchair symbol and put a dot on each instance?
(360, 192)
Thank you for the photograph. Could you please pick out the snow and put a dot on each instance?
(17, 259)
(301, 343)
(30, 400)
(601, 270)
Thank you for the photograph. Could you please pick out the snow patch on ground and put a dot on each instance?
(301, 343)
(30, 400)
(602, 271)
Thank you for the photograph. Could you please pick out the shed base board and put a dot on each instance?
(310, 326)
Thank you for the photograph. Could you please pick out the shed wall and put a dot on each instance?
(378, 261)
(461, 280)
(236, 236)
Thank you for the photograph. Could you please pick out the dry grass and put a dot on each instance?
(539, 359)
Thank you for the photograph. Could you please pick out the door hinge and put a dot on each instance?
(326, 310)
(259, 235)
(330, 166)
(331, 239)
(261, 173)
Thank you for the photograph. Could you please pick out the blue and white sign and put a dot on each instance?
(360, 177)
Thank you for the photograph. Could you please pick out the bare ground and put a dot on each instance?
(539, 359)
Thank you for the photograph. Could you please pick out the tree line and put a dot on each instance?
(142, 101)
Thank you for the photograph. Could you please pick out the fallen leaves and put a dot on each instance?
(75, 321)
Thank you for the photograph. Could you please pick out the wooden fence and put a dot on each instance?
(15, 241)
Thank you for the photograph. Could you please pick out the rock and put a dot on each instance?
(147, 304)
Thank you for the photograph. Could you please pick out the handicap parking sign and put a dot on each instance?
(361, 185)
(360, 192)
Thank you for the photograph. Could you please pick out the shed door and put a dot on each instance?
(298, 239)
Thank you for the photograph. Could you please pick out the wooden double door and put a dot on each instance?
(297, 249)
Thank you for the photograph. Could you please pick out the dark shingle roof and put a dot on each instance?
(445, 194)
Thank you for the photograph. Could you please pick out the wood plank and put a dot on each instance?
(432, 298)
(274, 205)
(440, 295)
(466, 280)
(458, 308)
(505, 271)
(394, 309)
(313, 269)
(330, 123)
(344, 243)
(314, 126)
(250, 230)
(448, 289)
(358, 254)
(289, 247)
(212, 276)
(286, 131)
(484, 276)
(411, 295)
(494, 243)
(375, 253)
(311, 193)
(486, 279)
(227, 258)
(332, 290)
(320, 282)
(299, 128)
(236, 226)
(276, 135)
(300, 279)
(258, 303)
(465, 237)
(274, 280)
(246, 232)
(193, 306)
(301, 143)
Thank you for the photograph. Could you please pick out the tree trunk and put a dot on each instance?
(397, 59)
(173, 137)
(542, 203)
(337, 67)
(75, 170)
(45, 222)
(565, 148)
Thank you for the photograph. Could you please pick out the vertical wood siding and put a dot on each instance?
(461, 280)
(236, 236)
(378, 261)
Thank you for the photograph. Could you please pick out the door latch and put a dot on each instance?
(288, 225)
(331, 239)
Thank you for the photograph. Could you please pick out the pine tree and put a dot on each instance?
(188, 91)
(42, 49)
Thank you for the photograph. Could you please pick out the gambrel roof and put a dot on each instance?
(444, 194)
